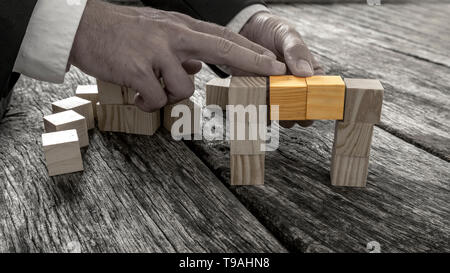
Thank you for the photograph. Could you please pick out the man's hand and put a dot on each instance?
(281, 38)
(135, 47)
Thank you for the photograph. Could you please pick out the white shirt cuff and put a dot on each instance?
(48, 40)
(244, 15)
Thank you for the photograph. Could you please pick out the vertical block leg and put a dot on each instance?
(246, 157)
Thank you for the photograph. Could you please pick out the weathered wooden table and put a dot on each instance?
(153, 194)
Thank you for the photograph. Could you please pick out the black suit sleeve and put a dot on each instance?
(219, 11)
(14, 18)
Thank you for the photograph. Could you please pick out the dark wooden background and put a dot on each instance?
(153, 194)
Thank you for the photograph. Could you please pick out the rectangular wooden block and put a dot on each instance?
(325, 98)
(62, 152)
(79, 105)
(217, 92)
(350, 171)
(68, 120)
(195, 119)
(352, 139)
(90, 93)
(109, 93)
(127, 119)
(289, 92)
(247, 91)
(363, 100)
(247, 169)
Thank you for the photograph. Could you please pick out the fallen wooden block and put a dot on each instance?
(65, 121)
(62, 152)
(194, 119)
(79, 105)
(90, 93)
(325, 98)
(127, 119)
(109, 93)
(217, 92)
(246, 156)
(289, 93)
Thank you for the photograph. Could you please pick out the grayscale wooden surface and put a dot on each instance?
(152, 194)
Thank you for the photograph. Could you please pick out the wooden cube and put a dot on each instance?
(68, 120)
(352, 139)
(110, 93)
(90, 93)
(195, 118)
(79, 105)
(363, 100)
(289, 92)
(127, 119)
(247, 169)
(217, 92)
(350, 171)
(62, 152)
(325, 98)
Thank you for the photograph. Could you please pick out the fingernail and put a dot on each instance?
(270, 54)
(304, 69)
(279, 67)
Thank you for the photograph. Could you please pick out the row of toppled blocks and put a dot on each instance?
(355, 104)
(112, 106)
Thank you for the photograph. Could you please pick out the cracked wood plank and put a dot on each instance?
(137, 193)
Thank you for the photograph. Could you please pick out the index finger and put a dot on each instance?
(219, 51)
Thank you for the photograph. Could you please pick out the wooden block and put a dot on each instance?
(68, 120)
(246, 156)
(349, 171)
(247, 91)
(363, 100)
(79, 105)
(289, 92)
(109, 93)
(90, 93)
(62, 152)
(325, 98)
(127, 119)
(217, 92)
(352, 139)
(195, 110)
(247, 169)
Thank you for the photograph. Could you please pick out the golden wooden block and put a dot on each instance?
(289, 92)
(325, 98)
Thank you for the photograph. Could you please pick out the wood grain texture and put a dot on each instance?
(65, 121)
(289, 92)
(406, 193)
(62, 152)
(352, 139)
(247, 158)
(137, 193)
(79, 105)
(110, 93)
(90, 93)
(217, 92)
(247, 169)
(349, 171)
(127, 119)
(195, 118)
(325, 98)
(416, 103)
(363, 100)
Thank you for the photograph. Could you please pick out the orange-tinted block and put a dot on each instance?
(325, 98)
(289, 92)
